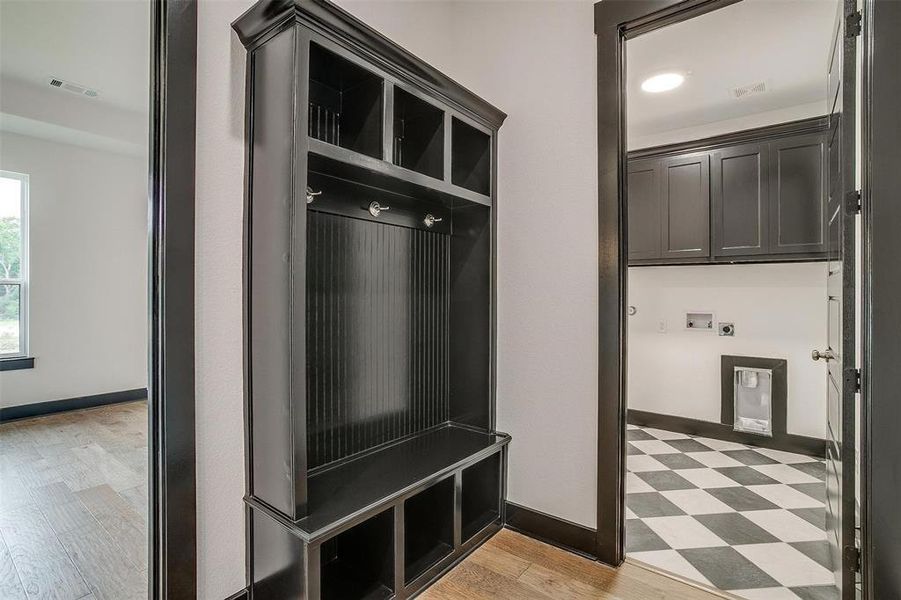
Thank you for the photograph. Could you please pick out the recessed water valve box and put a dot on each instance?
(699, 320)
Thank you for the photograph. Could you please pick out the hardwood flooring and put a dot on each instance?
(73, 505)
(511, 566)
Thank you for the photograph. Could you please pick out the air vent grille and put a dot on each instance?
(752, 89)
(75, 88)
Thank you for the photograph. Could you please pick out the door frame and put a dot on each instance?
(172, 547)
(618, 20)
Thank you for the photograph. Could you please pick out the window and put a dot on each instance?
(13, 264)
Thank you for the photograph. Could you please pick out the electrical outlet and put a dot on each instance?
(661, 326)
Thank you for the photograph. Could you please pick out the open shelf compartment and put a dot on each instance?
(428, 528)
(418, 135)
(481, 493)
(470, 157)
(345, 103)
(359, 562)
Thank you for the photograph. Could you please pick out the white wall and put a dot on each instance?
(778, 310)
(88, 285)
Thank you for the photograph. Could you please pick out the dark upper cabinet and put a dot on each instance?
(740, 188)
(685, 210)
(797, 207)
(644, 209)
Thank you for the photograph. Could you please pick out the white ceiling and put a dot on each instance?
(101, 44)
(784, 43)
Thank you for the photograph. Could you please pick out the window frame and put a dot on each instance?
(23, 279)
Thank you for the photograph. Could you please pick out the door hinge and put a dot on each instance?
(852, 202)
(852, 557)
(856, 380)
(852, 24)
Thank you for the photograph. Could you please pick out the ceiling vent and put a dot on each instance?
(74, 88)
(752, 89)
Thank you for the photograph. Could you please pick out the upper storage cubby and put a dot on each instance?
(345, 103)
(470, 158)
(418, 135)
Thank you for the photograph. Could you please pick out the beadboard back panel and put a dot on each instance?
(377, 334)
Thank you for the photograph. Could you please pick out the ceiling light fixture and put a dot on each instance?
(662, 83)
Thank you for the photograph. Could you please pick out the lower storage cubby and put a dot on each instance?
(428, 528)
(359, 563)
(481, 494)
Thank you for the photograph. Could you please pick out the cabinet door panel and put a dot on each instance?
(685, 230)
(740, 201)
(797, 206)
(644, 209)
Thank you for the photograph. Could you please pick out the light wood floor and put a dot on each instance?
(73, 505)
(511, 566)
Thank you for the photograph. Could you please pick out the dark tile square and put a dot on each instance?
(735, 530)
(688, 445)
(678, 461)
(727, 569)
(817, 491)
(814, 516)
(818, 551)
(641, 538)
(746, 476)
(652, 504)
(665, 480)
(638, 434)
(817, 592)
(741, 499)
(750, 457)
(630, 450)
(814, 469)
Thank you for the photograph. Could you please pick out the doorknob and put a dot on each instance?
(825, 355)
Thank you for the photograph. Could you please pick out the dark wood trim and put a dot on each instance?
(787, 442)
(614, 21)
(555, 531)
(758, 134)
(16, 364)
(173, 539)
(38, 409)
(267, 16)
(239, 595)
(779, 367)
(881, 314)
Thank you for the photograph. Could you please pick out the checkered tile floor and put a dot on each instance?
(747, 520)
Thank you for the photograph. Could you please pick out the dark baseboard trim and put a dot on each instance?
(11, 413)
(239, 595)
(787, 442)
(15, 364)
(555, 531)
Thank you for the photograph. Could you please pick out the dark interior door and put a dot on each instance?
(839, 355)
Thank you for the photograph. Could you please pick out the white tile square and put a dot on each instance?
(715, 459)
(707, 478)
(638, 463)
(786, 565)
(683, 532)
(786, 526)
(785, 497)
(785, 474)
(671, 561)
(779, 593)
(697, 502)
(662, 434)
(630, 514)
(632, 427)
(787, 458)
(721, 445)
(653, 447)
(636, 485)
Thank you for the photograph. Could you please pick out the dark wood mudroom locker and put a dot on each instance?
(373, 460)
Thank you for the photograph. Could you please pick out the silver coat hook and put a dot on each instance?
(431, 219)
(375, 208)
(311, 195)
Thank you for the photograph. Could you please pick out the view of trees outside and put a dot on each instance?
(10, 263)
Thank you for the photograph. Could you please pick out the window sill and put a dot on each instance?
(16, 364)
